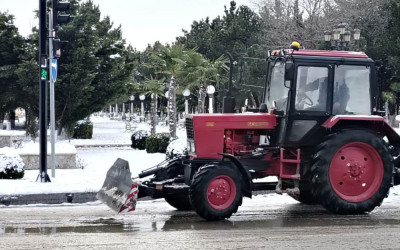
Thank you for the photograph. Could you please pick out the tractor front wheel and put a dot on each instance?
(352, 172)
(216, 191)
(178, 197)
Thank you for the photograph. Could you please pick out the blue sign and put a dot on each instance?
(54, 69)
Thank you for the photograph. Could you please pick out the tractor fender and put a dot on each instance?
(372, 122)
(248, 183)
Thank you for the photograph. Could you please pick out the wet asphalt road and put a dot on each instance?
(267, 221)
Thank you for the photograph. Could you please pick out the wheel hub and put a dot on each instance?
(221, 192)
(356, 172)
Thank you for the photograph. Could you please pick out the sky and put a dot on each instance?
(142, 21)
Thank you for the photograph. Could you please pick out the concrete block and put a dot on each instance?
(63, 161)
(5, 141)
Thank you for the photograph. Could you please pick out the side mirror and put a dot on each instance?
(289, 71)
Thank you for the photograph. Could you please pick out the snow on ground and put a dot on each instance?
(33, 148)
(110, 132)
(94, 162)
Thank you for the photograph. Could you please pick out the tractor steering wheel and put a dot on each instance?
(304, 99)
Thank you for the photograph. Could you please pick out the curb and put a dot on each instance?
(102, 146)
(56, 198)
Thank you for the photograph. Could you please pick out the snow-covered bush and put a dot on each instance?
(176, 148)
(11, 165)
(83, 130)
(139, 139)
(157, 143)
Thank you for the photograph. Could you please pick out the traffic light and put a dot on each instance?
(58, 18)
(56, 48)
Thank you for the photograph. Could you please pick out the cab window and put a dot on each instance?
(351, 90)
(312, 87)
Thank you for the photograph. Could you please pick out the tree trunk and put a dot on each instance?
(202, 99)
(153, 114)
(172, 108)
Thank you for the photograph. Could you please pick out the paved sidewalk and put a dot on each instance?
(56, 198)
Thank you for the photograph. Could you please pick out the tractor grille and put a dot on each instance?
(189, 128)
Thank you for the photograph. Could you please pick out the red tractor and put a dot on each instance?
(318, 131)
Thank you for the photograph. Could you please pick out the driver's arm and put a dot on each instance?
(312, 85)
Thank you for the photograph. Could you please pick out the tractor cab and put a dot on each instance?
(306, 87)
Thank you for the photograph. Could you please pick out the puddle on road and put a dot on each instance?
(190, 221)
(98, 226)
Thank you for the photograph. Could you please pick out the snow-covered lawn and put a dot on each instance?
(94, 161)
(110, 132)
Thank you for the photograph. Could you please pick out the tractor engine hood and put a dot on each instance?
(207, 131)
(233, 121)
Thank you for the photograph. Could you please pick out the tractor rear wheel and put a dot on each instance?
(352, 172)
(178, 197)
(306, 195)
(216, 191)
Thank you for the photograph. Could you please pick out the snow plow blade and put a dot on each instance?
(118, 191)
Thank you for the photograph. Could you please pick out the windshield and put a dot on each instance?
(276, 92)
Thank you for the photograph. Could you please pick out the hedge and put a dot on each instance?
(83, 130)
(157, 143)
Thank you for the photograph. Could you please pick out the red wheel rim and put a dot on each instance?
(221, 192)
(356, 172)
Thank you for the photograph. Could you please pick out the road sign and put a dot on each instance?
(54, 69)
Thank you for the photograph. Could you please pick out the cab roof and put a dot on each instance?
(328, 53)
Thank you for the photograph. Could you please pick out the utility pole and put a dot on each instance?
(55, 20)
(43, 92)
(53, 76)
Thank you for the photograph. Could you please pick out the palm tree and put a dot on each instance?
(153, 87)
(198, 71)
(165, 61)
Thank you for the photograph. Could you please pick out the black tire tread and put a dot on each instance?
(178, 200)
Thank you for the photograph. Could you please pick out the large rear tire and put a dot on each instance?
(178, 197)
(216, 191)
(352, 172)
(306, 195)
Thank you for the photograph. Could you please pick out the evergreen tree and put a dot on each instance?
(11, 50)
(238, 31)
(95, 68)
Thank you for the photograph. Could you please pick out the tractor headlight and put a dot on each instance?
(190, 146)
(193, 147)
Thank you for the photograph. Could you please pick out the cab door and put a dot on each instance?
(310, 104)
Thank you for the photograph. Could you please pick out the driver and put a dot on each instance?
(340, 98)
(320, 84)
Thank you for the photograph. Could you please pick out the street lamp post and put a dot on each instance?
(142, 97)
(123, 111)
(341, 38)
(186, 94)
(210, 92)
(132, 98)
